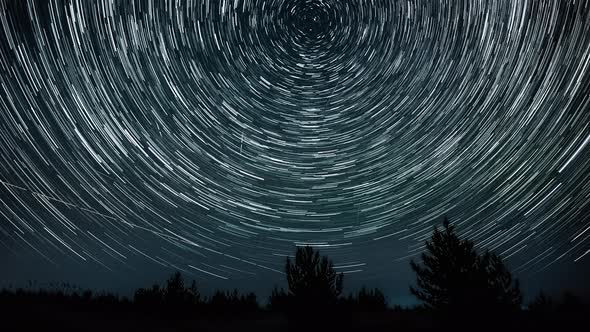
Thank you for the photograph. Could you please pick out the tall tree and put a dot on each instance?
(312, 279)
(454, 277)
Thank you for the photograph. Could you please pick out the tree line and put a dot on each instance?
(454, 284)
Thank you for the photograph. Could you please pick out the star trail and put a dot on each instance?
(214, 136)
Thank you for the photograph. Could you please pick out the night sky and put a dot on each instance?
(141, 137)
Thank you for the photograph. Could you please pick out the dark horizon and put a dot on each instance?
(571, 278)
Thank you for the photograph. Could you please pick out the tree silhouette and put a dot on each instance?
(314, 288)
(371, 300)
(312, 277)
(570, 303)
(278, 300)
(175, 299)
(225, 302)
(366, 300)
(455, 278)
(174, 292)
(149, 299)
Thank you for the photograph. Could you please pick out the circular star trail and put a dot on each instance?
(212, 136)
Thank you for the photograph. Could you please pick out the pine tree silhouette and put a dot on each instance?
(314, 287)
(454, 278)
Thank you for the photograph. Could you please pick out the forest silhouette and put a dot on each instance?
(457, 286)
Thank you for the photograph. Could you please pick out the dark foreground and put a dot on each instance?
(19, 315)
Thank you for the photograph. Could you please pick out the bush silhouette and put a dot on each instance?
(454, 278)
